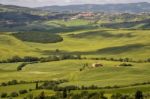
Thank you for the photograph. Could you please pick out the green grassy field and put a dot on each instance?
(91, 43)
(108, 75)
(70, 69)
(114, 43)
(10, 46)
(102, 43)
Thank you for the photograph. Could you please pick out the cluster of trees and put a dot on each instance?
(42, 59)
(53, 85)
(67, 95)
(60, 57)
(19, 17)
(89, 95)
(19, 59)
(50, 84)
(121, 59)
(13, 94)
(92, 87)
(65, 92)
(138, 95)
(12, 82)
(40, 37)
(65, 56)
(125, 64)
(15, 82)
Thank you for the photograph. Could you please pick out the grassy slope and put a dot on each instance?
(91, 43)
(69, 69)
(103, 43)
(10, 46)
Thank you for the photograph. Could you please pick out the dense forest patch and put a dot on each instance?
(38, 37)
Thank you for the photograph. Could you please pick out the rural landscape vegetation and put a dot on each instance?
(89, 51)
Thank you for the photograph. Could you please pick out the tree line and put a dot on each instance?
(65, 57)
(41, 59)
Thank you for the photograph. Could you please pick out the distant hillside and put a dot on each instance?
(128, 8)
(143, 24)
(12, 8)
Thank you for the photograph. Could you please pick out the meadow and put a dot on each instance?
(89, 43)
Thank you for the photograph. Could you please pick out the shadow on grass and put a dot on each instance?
(109, 50)
(100, 33)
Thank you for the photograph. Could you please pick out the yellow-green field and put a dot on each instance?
(70, 69)
(112, 43)
(102, 43)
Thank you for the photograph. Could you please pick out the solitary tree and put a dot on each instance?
(37, 85)
(139, 95)
(64, 93)
(42, 95)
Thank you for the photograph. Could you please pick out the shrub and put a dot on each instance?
(30, 89)
(42, 95)
(3, 95)
(3, 84)
(139, 95)
(116, 96)
(21, 66)
(13, 82)
(125, 64)
(23, 91)
(148, 60)
(65, 93)
(14, 94)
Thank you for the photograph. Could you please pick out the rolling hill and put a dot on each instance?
(13, 8)
(142, 24)
(128, 8)
(41, 47)
(10, 46)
